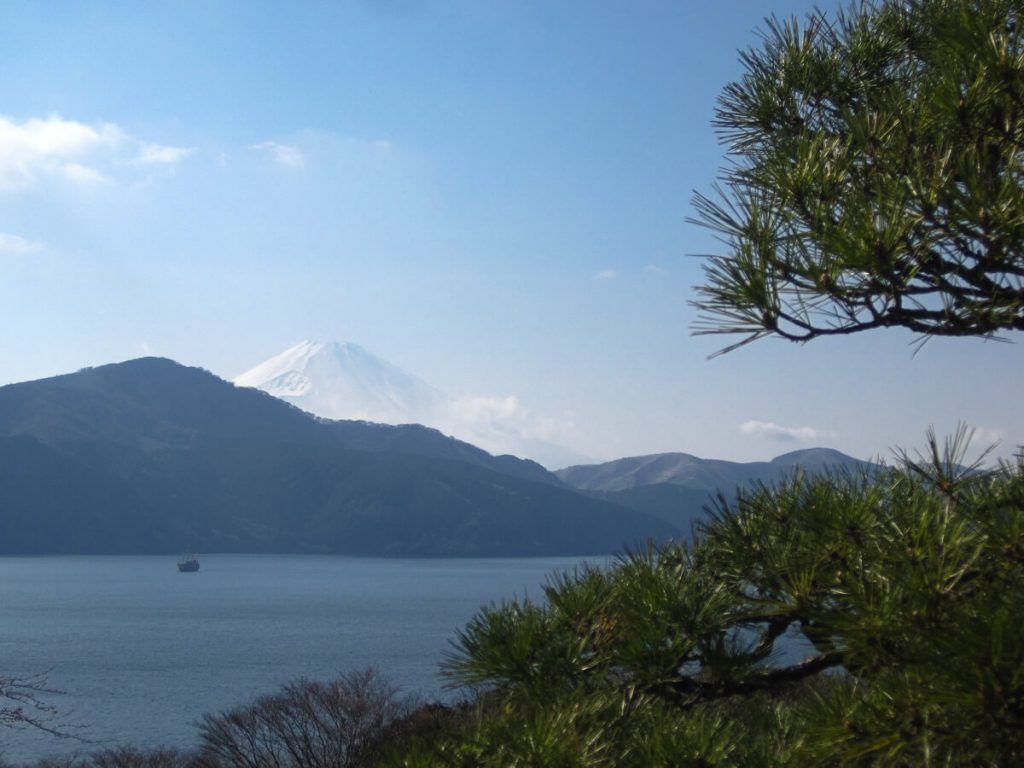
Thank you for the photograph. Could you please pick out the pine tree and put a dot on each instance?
(877, 176)
(847, 619)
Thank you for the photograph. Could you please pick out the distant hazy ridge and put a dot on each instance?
(150, 456)
(675, 487)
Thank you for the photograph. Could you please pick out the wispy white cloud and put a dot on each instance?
(477, 408)
(283, 154)
(504, 425)
(653, 269)
(84, 175)
(71, 151)
(503, 416)
(17, 244)
(51, 146)
(605, 274)
(785, 434)
(160, 154)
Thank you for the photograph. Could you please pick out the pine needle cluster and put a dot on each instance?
(876, 176)
(851, 619)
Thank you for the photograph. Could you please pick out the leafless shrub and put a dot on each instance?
(22, 703)
(335, 724)
(60, 762)
(130, 757)
(119, 757)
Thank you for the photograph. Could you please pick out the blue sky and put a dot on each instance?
(492, 195)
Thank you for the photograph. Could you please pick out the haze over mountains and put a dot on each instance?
(693, 472)
(341, 380)
(676, 487)
(149, 456)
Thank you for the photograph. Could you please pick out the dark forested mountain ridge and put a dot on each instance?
(150, 403)
(153, 456)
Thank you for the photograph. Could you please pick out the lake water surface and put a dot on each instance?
(141, 651)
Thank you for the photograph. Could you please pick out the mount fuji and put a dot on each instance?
(341, 380)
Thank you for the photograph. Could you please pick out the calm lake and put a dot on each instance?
(140, 651)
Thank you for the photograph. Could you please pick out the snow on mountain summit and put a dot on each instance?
(341, 380)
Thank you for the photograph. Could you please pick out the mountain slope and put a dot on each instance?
(51, 498)
(153, 404)
(677, 505)
(151, 456)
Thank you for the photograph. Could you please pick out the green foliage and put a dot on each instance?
(876, 177)
(875, 618)
(852, 619)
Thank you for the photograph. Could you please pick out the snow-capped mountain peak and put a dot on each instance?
(341, 380)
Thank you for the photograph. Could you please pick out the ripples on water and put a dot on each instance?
(140, 651)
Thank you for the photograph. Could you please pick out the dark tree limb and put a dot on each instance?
(689, 692)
